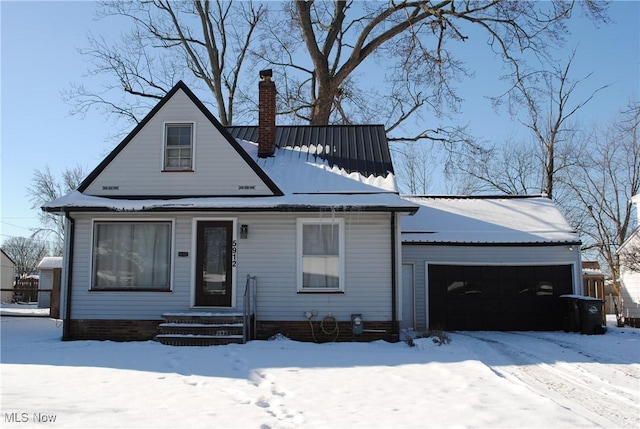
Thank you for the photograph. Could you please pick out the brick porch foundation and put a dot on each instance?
(143, 330)
(301, 331)
(115, 330)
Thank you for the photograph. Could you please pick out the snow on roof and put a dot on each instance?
(486, 220)
(294, 171)
(382, 201)
(306, 184)
(49, 262)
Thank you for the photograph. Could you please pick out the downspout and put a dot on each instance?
(578, 287)
(66, 335)
(394, 311)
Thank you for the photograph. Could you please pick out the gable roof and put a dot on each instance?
(7, 256)
(180, 86)
(309, 172)
(632, 239)
(307, 185)
(520, 220)
(50, 262)
(360, 149)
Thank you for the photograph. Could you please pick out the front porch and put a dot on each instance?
(204, 329)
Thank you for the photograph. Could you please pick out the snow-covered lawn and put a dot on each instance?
(480, 379)
(31, 309)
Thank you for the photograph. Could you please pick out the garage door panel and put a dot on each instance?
(497, 297)
(493, 321)
(455, 322)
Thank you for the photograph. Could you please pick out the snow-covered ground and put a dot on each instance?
(479, 379)
(30, 310)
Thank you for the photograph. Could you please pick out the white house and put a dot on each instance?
(170, 228)
(7, 276)
(630, 276)
(487, 263)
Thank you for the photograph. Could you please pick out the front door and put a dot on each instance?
(408, 316)
(213, 264)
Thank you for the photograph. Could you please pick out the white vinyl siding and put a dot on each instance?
(367, 274)
(45, 282)
(140, 305)
(422, 255)
(218, 169)
(269, 253)
(6, 277)
(630, 292)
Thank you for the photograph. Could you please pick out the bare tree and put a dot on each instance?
(603, 180)
(508, 169)
(549, 100)
(199, 41)
(320, 47)
(25, 252)
(630, 258)
(413, 39)
(548, 97)
(46, 187)
(414, 167)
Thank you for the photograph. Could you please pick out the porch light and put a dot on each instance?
(244, 231)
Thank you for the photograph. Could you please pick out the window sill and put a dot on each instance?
(178, 170)
(122, 289)
(332, 291)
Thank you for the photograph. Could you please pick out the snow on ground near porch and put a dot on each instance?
(28, 310)
(480, 379)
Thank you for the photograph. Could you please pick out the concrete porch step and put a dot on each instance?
(218, 329)
(200, 329)
(203, 318)
(198, 340)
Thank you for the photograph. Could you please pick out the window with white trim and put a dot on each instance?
(178, 147)
(320, 255)
(131, 255)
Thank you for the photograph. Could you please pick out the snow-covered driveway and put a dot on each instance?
(480, 379)
(588, 380)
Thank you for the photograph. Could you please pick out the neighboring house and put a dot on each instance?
(630, 276)
(7, 276)
(168, 227)
(487, 263)
(50, 276)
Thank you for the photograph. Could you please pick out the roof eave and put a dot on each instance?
(496, 244)
(273, 208)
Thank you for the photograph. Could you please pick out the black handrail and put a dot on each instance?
(249, 308)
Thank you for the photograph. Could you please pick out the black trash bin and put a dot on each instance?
(570, 313)
(590, 315)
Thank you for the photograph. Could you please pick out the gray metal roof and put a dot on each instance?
(354, 148)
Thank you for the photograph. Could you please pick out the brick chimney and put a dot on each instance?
(266, 115)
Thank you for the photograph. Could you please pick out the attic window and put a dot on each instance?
(178, 147)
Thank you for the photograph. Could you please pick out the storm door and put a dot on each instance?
(214, 264)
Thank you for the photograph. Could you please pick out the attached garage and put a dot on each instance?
(490, 263)
(496, 298)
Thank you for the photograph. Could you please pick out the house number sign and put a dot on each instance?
(234, 254)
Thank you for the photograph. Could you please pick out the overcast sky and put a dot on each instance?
(39, 59)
